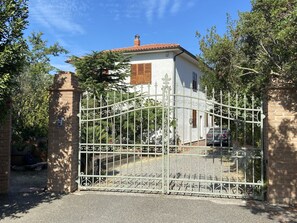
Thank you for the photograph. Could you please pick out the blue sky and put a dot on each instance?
(82, 26)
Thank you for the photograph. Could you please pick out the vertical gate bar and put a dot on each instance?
(155, 129)
(127, 139)
(221, 116)
(148, 146)
(183, 111)
(79, 136)
(236, 119)
(134, 134)
(245, 119)
(163, 145)
(121, 137)
(191, 111)
(184, 140)
(100, 139)
(107, 139)
(253, 136)
(113, 139)
(135, 139)
(237, 138)
(253, 121)
(168, 137)
(193, 108)
(229, 144)
(175, 133)
(229, 127)
(87, 138)
(221, 149)
(245, 143)
(262, 116)
(207, 113)
(213, 154)
(148, 123)
(199, 111)
(141, 134)
(155, 121)
(93, 130)
(174, 100)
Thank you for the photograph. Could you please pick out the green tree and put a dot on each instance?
(30, 99)
(258, 48)
(13, 20)
(103, 71)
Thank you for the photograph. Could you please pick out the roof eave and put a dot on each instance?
(179, 48)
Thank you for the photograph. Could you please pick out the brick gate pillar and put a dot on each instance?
(281, 145)
(5, 141)
(63, 137)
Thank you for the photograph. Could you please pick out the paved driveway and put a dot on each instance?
(120, 207)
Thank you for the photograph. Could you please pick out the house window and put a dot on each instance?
(194, 81)
(141, 73)
(194, 118)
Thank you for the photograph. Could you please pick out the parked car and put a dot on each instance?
(153, 140)
(218, 136)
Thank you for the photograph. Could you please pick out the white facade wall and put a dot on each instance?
(188, 100)
(185, 100)
(162, 64)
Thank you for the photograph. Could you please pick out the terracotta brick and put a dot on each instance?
(5, 139)
(63, 140)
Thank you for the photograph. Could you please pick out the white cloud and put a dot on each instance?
(150, 9)
(162, 7)
(58, 14)
(175, 6)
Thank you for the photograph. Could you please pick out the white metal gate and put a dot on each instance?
(185, 141)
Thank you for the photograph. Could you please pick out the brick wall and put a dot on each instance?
(63, 133)
(281, 145)
(5, 139)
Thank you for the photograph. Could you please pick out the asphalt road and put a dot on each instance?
(122, 207)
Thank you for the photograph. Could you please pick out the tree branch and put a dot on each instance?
(263, 47)
(246, 68)
(275, 73)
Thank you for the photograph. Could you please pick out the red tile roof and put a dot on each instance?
(157, 46)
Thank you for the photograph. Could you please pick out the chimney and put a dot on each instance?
(137, 40)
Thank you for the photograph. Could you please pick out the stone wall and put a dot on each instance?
(281, 145)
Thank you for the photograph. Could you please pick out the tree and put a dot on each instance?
(13, 20)
(30, 99)
(258, 48)
(103, 71)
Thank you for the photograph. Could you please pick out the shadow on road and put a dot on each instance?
(14, 205)
(27, 190)
(273, 212)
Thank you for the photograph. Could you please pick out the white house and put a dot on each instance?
(149, 65)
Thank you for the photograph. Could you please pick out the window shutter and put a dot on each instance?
(148, 73)
(194, 118)
(133, 73)
(141, 73)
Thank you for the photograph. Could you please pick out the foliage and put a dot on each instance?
(257, 49)
(103, 71)
(30, 107)
(13, 20)
(121, 117)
